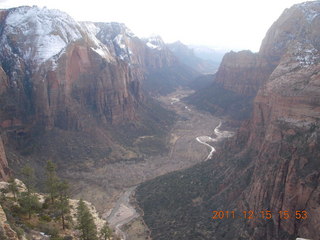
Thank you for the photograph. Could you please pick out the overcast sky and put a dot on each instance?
(231, 24)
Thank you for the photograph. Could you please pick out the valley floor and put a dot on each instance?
(185, 151)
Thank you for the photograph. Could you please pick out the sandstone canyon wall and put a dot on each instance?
(273, 161)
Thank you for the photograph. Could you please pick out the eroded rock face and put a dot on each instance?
(300, 22)
(285, 134)
(6, 230)
(4, 169)
(243, 72)
(57, 73)
(283, 139)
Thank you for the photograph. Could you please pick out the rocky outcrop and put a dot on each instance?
(32, 231)
(300, 22)
(4, 169)
(234, 85)
(150, 60)
(58, 73)
(243, 72)
(282, 138)
(6, 232)
(285, 133)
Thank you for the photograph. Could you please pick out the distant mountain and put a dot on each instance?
(208, 53)
(187, 56)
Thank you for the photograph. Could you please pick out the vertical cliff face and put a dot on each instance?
(58, 73)
(282, 138)
(243, 72)
(151, 53)
(234, 86)
(150, 60)
(299, 22)
(285, 134)
(282, 144)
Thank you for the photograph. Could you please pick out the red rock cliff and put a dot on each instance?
(58, 73)
(243, 72)
(282, 138)
(285, 135)
(279, 147)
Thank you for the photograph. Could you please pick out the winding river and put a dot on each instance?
(124, 212)
(219, 135)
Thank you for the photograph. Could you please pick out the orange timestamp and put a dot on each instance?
(264, 214)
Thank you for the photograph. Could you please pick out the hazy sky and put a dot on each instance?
(232, 24)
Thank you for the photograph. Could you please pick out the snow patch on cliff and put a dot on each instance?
(40, 33)
(306, 54)
(92, 30)
(155, 42)
(310, 10)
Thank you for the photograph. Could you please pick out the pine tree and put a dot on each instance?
(52, 180)
(105, 232)
(13, 187)
(86, 225)
(62, 204)
(28, 177)
(28, 200)
(29, 203)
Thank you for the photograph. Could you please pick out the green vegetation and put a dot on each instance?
(105, 232)
(179, 205)
(52, 180)
(62, 205)
(51, 215)
(13, 187)
(86, 225)
(149, 134)
(25, 212)
(28, 201)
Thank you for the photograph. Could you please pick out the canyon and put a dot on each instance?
(270, 164)
(77, 93)
(117, 115)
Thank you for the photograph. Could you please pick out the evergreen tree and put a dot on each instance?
(86, 225)
(52, 180)
(105, 232)
(62, 204)
(13, 187)
(28, 177)
(28, 201)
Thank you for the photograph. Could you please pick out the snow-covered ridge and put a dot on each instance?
(311, 10)
(45, 32)
(118, 38)
(155, 42)
(92, 30)
(109, 31)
